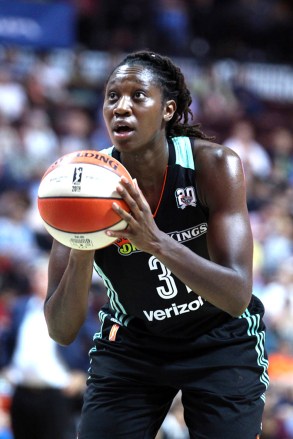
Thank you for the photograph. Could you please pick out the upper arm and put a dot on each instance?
(222, 189)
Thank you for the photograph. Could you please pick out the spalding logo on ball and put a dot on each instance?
(75, 199)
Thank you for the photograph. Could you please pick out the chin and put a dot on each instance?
(123, 146)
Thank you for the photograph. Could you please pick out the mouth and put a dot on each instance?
(123, 131)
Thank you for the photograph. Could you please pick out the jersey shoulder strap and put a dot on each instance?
(183, 152)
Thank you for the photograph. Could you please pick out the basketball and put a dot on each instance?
(75, 199)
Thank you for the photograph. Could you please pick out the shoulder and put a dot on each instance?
(210, 153)
(219, 171)
(215, 160)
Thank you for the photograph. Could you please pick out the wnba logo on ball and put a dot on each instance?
(76, 180)
(77, 174)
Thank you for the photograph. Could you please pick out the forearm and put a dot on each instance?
(66, 306)
(224, 287)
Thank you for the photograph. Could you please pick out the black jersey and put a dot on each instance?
(142, 291)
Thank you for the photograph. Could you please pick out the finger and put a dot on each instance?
(131, 187)
(132, 197)
(118, 234)
(126, 216)
(135, 193)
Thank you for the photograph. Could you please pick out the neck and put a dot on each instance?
(148, 165)
(149, 169)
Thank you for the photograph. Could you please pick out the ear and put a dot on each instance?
(169, 110)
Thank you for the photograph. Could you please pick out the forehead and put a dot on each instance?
(134, 73)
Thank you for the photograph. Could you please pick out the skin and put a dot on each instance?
(132, 98)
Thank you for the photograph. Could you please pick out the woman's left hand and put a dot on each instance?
(141, 229)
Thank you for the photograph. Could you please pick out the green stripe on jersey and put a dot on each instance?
(184, 154)
(253, 322)
(120, 313)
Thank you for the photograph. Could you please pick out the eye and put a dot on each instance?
(112, 95)
(139, 94)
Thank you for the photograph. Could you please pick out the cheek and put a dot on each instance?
(106, 116)
(157, 121)
(153, 118)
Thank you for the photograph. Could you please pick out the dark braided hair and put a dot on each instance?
(173, 85)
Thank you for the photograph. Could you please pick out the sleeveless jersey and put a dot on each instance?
(143, 293)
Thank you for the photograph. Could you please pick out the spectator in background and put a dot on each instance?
(17, 239)
(74, 130)
(40, 141)
(277, 297)
(251, 104)
(9, 146)
(277, 240)
(255, 158)
(281, 149)
(217, 100)
(52, 78)
(43, 384)
(173, 26)
(13, 97)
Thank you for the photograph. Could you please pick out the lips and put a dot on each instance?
(122, 129)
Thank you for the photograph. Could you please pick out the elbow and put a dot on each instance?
(242, 294)
(240, 305)
(62, 335)
(59, 329)
(237, 311)
(61, 338)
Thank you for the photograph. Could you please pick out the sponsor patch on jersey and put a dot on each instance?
(185, 197)
(174, 310)
(125, 248)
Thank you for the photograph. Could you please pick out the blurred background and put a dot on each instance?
(54, 58)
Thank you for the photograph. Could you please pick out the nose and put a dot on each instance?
(123, 106)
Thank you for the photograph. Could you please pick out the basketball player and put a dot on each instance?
(181, 314)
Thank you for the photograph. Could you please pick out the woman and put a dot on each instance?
(181, 314)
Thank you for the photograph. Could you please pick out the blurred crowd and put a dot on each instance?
(255, 30)
(50, 105)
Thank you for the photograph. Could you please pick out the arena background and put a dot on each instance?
(238, 60)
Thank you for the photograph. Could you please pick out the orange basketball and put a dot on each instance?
(75, 199)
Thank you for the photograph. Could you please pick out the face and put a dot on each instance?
(134, 112)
